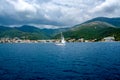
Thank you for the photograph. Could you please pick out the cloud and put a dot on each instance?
(55, 13)
(110, 8)
(21, 5)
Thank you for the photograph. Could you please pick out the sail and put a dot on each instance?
(62, 41)
(62, 38)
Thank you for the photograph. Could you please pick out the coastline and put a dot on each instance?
(47, 41)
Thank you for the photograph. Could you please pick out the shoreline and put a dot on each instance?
(55, 42)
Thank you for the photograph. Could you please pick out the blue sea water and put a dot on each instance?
(47, 61)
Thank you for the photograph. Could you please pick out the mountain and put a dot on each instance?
(112, 21)
(27, 28)
(48, 33)
(53, 32)
(3, 28)
(29, 32)
(96, 28)
(20, 33)
(32, 30)
(92, 30)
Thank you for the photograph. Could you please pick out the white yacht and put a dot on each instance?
(62, 41)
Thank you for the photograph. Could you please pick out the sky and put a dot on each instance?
(55, 13)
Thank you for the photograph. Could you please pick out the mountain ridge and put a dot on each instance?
(112, 21)
(96, 28)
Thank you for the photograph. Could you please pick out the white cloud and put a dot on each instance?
(22, 5)
(108, 8)
(56, 12)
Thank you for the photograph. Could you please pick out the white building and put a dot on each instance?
(109, 39)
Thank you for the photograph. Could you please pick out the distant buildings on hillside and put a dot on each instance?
(109, 39)
(17, 40)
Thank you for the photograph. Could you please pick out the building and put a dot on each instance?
(109, 39)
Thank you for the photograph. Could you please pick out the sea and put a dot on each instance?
(47, 61)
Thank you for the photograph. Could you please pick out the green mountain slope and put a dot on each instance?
(14, 32)
(112, 21)
(93, 30)
(32, 30)
(46, 33)
(27, 28)
(3, 28)
(53, 32)
(96, 28)
(28, 32)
